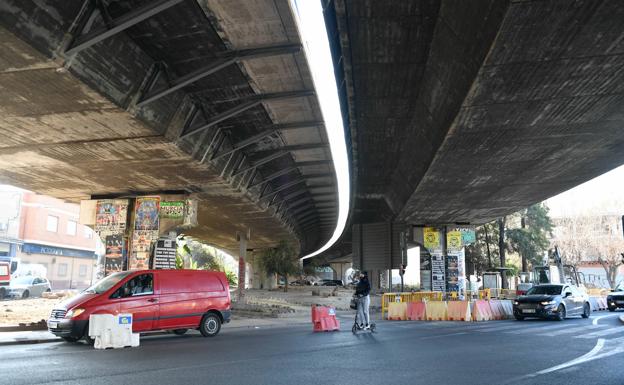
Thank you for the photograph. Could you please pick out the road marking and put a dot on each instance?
(617, 329)
(573, 330)
(584, 358)
(595, 320)
(538, 329)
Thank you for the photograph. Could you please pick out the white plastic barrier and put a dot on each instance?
(112, 331)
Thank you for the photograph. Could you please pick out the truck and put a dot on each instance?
(552, 271)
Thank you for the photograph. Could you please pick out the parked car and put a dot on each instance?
(301, 282)
(329, 282)
(616, 298)
(28, 286)
(552, 301)
(172, 300)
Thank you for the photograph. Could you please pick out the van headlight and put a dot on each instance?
(74, 313)
(546, 303)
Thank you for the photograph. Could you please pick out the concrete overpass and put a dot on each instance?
(463, 111)
(211, 98)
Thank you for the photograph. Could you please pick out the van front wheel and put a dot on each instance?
(210, 325)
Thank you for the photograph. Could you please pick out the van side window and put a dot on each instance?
(140, 285)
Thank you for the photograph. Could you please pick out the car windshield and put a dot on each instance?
(547, 290)
(104, 284)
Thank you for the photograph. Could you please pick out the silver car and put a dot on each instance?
(29, 286)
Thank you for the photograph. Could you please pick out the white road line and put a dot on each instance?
(573, 330)
(584, 358)
(553, 326)
(595, 320)
(617, 329)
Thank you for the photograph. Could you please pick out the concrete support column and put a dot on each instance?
(242, 267)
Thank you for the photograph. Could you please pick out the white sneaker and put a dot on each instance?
(367, 327)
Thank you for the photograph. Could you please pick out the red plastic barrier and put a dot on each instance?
(416, 311)
(324, 319)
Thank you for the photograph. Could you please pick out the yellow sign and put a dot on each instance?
(454, 240)
(432, 238)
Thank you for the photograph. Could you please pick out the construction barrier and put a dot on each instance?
(418, 296)
(507, 308)
(324, 319)
(416, 311)
(397, 311)
(481, 311)
(436, 310)
(602, 303)
(593, 303)
(458, 311)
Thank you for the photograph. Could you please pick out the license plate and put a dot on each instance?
(528, 310)
(53, 324)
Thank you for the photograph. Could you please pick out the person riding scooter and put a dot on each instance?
(362, 291)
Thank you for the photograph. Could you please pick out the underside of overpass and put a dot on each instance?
(464, 111)
(212, 98)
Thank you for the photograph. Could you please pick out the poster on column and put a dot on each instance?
(453, 241)
(141, 247)
(452, 273)
(111, 215)
(432, 239)
(438, 281)
(146, 212)
(114, 254)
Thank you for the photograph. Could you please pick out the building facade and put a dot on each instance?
(50, 235)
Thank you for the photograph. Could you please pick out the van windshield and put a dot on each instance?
(104, 284)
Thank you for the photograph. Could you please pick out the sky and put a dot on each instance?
(601, 195)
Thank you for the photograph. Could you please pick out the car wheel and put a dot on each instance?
(611, 309)
(25, 294)
(2, 293)
(586, 310)
(70, 339)
(561, 313)
(210, 325)
(180, 332)
(519, 318)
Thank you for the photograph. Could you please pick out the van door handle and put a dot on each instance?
(152, 300)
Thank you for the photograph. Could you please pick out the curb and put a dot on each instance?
(29, 342)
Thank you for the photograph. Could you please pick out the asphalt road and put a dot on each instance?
(576, 351)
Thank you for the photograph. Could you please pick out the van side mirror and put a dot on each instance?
(568, 294)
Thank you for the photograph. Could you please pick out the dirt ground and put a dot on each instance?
(14, 312)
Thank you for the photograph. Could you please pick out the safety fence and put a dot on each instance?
(418, 296)
(435, 310)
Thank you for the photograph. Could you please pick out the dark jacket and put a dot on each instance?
(363, 287)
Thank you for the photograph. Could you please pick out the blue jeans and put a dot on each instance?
(362, 310)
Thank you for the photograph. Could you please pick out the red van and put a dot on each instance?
(175, 300)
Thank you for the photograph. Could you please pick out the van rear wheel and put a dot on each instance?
(210, 325)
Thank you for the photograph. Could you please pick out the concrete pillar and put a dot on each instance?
(242, 266)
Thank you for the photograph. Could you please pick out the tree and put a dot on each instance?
(592, 239)
(280, 260)
(195, 255)
(531, 240)
(483, 252)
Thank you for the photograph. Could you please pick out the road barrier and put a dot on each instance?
(397, 311)
(408, 297)
(324, 319)
(416, 311)
(436, 310)
(459, 311)
(481, 311)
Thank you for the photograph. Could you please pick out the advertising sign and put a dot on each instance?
(111, 215)
(454, 240)
(141, 247)
(172, 209)
(113, 261)
(146, 212)
(165, 254)
(452, 273)
(438, 281)
(432, 238)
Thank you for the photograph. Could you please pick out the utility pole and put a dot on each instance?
(403, 244)
(501, 249)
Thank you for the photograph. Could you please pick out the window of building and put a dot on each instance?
(88, 233)
(52, 224)
(82, 270)
(62, 269)
(71, 227)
